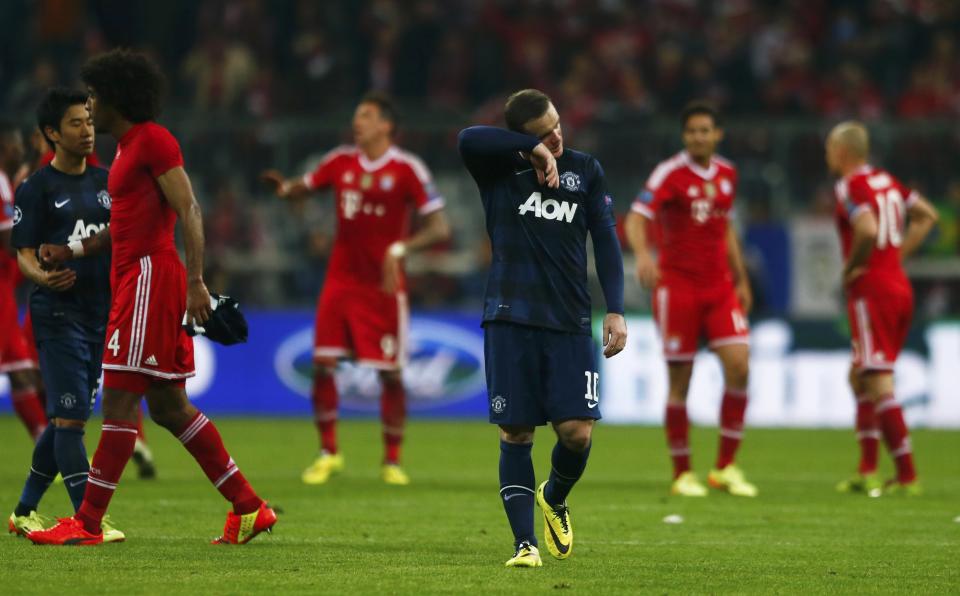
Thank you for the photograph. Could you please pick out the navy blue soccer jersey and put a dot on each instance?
(52, 207)
(538, 273)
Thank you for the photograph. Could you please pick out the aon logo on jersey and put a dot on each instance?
(82, 230)
(550, 209)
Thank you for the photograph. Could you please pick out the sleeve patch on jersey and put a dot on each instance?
(645, 197)
(17, 215)
(608, 199)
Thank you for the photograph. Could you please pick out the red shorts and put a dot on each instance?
(15, 352)
(685, 314)
(28, 336)
(879, 323)
(362, 323)
(145, 335)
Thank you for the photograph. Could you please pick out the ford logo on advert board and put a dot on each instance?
(445, 366)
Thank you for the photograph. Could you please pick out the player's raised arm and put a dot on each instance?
(921, 217)
(864, 225)
(740, 278)
(175, 186)
(490, 152)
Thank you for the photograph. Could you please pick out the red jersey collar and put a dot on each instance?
(707, 173)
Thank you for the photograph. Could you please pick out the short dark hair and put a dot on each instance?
(700, 108)
(53, 106)
(523, 106)
(386, 105)
(127, 81)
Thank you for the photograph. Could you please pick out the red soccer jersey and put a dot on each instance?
(374, 201)
(877, 191)
(8, 263)
(141, 220)
(693, 207)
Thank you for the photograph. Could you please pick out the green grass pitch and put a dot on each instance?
(446, 533)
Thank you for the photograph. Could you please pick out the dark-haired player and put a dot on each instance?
(147, 351)
(700, 290)
(541, 199)
(881, 222)
(64, 202)
(362, 311)
(16, 360)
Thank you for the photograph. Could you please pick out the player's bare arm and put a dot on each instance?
(293, 188)
(740, 277)
(175, 185)
(434, 228)
(921, 218)
(58, 279)
(647, 272)
(864, 238)
(52, 255)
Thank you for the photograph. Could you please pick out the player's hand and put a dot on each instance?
(745, 295)
(648, 274)
(274, 179)
(546, 166)
(54, 255)
(614, 334)
(851, 275)
(60, 279)
(198, 302)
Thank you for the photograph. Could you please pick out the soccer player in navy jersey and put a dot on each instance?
(541, 199)
(64, 201)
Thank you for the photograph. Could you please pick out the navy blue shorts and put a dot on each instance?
(70, 368)
(536, 375)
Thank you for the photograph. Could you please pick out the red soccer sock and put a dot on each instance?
(733, 408)
(678, 437)
(897, 437)
(868, 434)
(393, 413)
(203, 441)
(30, 411)
(325, 411)
(114, 450)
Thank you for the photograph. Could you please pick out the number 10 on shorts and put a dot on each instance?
(593, 394)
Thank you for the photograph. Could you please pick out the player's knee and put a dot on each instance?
(576, 437)
(737, 373)
(518, 435)
(391, 378)
(21, 380)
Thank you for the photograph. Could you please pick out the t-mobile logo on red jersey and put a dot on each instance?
(551, 209)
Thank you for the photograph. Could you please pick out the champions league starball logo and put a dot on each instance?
(17, 215)
(103, 197)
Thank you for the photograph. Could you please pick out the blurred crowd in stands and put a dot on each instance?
(270, 83)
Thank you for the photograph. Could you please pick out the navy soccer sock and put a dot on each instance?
(517, 488)
(567, 467)
(72, 462)
(43, 469)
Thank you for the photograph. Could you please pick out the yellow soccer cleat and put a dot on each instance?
(557, 526)
(394, 474)
(688, 485)
(527, 555)
(21, 525)
(321, 469)
(731, 480)
(110, 533)
(869, 484)
(897, 489)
